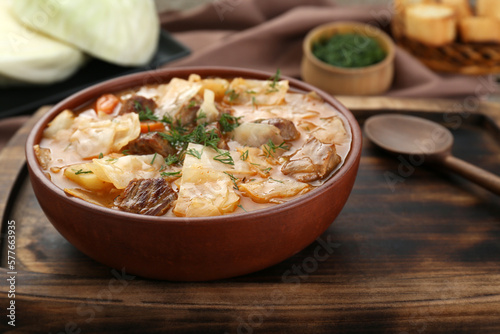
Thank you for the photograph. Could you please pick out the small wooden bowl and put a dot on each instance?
(369, 80)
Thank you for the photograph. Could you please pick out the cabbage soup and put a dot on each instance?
(197, 147)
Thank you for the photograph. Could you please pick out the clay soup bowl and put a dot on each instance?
(192, 249)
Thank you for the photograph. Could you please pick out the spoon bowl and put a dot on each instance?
(410, 135)
(403, 134)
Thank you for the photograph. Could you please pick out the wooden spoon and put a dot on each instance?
(409, 135)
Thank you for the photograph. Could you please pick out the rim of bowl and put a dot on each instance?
(129, 81)
(307, 49)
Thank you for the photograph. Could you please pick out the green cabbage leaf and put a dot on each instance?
(123, 32)
(28, 57)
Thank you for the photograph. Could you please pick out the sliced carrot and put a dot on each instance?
(107, 103)
(151, 127)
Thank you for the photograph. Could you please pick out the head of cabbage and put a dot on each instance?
(122, 32)
(44, 41)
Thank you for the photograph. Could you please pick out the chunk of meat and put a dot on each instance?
(150, 143)
(313, 161)
(137, 103)
(288, 131)
(188, 112)
(152, 197)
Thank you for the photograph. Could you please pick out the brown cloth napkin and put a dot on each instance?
(268, 34)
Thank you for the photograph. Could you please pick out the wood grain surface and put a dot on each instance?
(413, 251)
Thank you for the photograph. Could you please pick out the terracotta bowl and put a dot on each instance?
(191, 249)
(369, 80)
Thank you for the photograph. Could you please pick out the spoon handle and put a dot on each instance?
(475, 174)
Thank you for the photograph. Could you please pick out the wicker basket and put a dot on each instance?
(474, 59)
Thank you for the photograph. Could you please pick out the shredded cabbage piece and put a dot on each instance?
(206, 189)
(120, 171)
(174, 95)
(331, 131)
(257, 134)
(205, 192)
(95, 136)
(257, 92)
(208, 159)
(207, 108)
(273, 190)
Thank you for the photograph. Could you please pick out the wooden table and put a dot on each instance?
(415, 250)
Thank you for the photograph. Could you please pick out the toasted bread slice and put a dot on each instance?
(400, 5)
(479, 30)
(431, 24)
(462, 7)
(488, 8)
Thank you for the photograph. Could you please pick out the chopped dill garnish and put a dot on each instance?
(125, 152)
(275, 180)
(154, 158)
(232, 94)
(270, 148)
(200, 135)
(225, 158)
(201, 115)
(168, 119)
(241, 206)
(274, 80)
(170, 173)
(267, 170)
(191, 104)
(233, 179)
(244, 155)
(229, 122)
(81, 171)
(194, 153)
(172, 159)
(145, 115)
(178, 137)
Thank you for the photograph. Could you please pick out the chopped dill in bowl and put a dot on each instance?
(349, 50)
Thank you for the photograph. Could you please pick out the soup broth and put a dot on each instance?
(196, 147)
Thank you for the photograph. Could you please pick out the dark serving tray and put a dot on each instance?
(25, 100)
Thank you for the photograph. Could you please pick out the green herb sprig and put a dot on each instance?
(270, 148)
(81, 171)
(145, 114)
(233, 179)
(165, 174)
(224, 157)
(229, 122)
